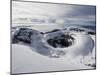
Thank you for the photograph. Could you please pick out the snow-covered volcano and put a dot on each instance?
(71, 48)
(52, 37)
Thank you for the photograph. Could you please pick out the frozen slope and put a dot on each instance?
(27, 58)
(24, 60)
(83, 45)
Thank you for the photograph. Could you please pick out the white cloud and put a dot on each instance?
(39, 9)
(71, 14)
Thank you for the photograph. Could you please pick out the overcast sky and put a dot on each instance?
(70, 14)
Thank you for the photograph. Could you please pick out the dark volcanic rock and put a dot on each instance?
(61, 41)
(92, 33)
(77, 29)
(55, 30)
(92, 65)
(24, 35)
